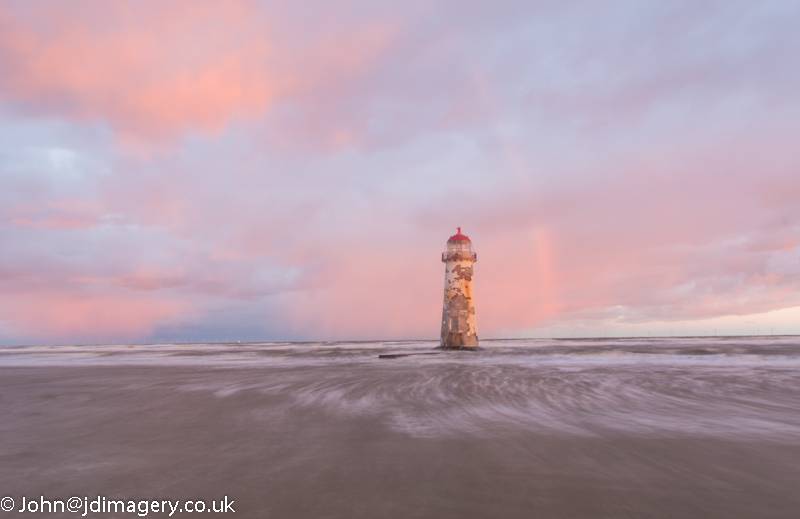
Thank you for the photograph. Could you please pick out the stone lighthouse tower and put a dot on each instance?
(458, 312)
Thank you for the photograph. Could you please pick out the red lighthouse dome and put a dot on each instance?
(458, 236)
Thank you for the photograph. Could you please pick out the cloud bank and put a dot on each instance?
(264, 170)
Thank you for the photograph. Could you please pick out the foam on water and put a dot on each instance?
(740, 388)
(561, 352)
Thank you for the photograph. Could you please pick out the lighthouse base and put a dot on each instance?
(459, 341)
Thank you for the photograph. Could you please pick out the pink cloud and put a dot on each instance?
(152, 69)
(155, 70)
(90, 317)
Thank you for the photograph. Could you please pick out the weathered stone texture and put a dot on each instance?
(458, 311)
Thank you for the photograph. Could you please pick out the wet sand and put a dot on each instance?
(410, 438)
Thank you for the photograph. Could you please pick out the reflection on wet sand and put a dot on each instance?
(607, 428)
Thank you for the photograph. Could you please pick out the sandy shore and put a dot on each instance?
(177, 432)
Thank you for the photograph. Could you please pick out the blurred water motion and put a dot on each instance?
(688, 427)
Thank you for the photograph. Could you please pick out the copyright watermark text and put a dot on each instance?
(86, 505)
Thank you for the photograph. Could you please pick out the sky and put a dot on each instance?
(189, 170)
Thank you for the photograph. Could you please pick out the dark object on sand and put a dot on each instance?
(398, 355)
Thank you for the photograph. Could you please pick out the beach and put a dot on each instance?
(656, 428)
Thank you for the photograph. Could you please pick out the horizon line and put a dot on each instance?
(335, 341)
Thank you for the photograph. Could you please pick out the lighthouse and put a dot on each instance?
(458, 311)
